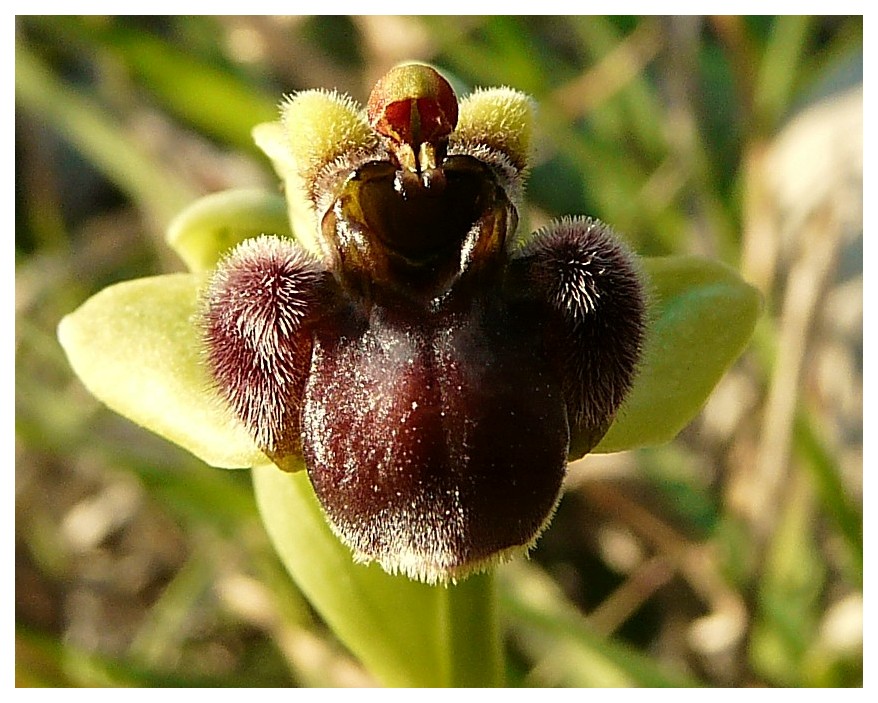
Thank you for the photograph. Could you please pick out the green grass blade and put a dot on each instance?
(92, 131)
(570, 653)
(824, 470)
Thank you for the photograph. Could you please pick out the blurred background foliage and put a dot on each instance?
(732, 557)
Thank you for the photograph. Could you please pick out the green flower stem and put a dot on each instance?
(473, 633)
(405, 633)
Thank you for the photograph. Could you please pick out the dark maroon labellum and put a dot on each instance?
(434, 380)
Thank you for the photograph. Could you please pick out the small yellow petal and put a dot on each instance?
(322, 126)
(500, 118)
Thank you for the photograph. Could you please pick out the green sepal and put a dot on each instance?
(702, 315)
(136, 347)
(212, 225)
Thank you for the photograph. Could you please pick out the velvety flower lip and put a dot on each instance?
(432, 374)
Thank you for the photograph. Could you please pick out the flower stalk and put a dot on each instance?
(474, 643)
(406, 633)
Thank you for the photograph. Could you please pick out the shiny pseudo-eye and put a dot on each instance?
(433, 368)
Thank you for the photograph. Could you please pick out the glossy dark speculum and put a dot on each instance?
(435, 376)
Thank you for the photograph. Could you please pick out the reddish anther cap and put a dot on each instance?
(413, 104)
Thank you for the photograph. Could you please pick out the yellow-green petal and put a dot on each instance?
(322, 126)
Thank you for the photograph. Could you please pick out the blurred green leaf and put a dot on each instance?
(629, 111)
(789, 591)
(503, 53)
(195, 494)
(212, 99)
(567, 651)
(779, 69)
(824, 468)
(204, 93)
(702, 318)
(93, 131)
(43, 662)
(679, 479)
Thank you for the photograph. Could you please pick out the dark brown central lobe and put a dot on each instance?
(453, 429)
